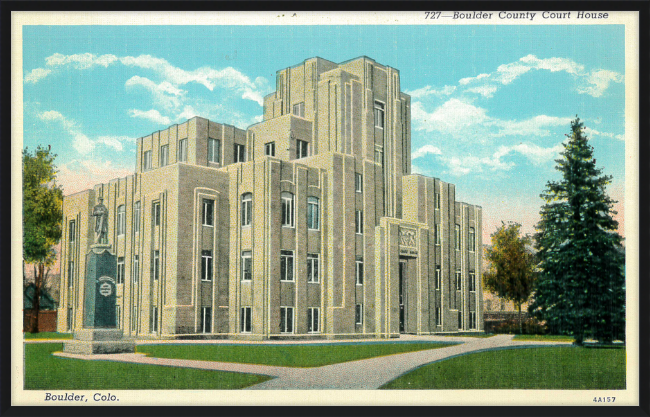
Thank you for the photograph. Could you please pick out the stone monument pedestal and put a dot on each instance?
(98, 341)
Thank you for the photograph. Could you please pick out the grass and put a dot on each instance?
(530, 368)
(47, 335)
(301, 356)
(543, 338)
(44, 371)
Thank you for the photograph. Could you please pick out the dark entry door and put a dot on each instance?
(402, 296)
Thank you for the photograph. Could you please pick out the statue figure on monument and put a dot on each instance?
(100, 212)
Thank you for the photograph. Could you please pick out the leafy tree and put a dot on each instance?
(42, 213)
(581, 287)
(512, 266)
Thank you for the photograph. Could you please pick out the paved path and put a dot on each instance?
(361, 375)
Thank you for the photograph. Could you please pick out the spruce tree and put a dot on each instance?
(580, 288)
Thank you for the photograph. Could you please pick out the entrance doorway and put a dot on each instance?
(402, 295)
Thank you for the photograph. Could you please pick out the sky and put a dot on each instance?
(490, 104)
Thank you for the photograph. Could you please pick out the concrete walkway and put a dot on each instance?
(363, 374)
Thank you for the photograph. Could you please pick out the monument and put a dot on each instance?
(100, 333)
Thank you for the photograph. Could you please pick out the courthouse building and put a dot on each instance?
(307, 224)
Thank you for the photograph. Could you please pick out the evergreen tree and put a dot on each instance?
(581, 284)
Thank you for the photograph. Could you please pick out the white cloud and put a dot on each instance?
(152, 115)
(82, 144)
(114, 142)
(426, 150)
(80, 61)
(36, 75)
(465, 81)
(507, 73)
(451, 117)
(431, 91)
(165, 95)
(538, 154)
(553, 64)
(593, 132)
(598, 81)
(535, 126)
(79, 175)
(487, 90)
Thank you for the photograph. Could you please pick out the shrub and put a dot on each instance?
(530, 326)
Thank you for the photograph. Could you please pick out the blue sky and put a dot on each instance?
(490, 104)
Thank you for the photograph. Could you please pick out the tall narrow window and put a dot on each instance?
(206, 319)
(182, 150)
(72, 231)
(147, 160)
(269, 149)
(437, 197)
(287, 209)
(120, 270)
(206, 265)
(238, 153)
(359, 270)
(246, 266)
(70, 274)
(438, 317)
(472, 281)
(154, 320)
(208, 209)
(136, 268)
(155, 213)
(301, 149)
(69, 321)
(246, 209)
(286, 265)
(164, 155)
(312, 268)
(379, 156)
(134, 318)
(438, 278)
(286, 319)
(121, 220)
(457, 237)
(379, 114)
(460, 320)
(214, 150)
(472, 320)
(299, 109)
(313, 213)
(245, 320)
(359, 222)
(358, 182)
(471, 240)
(358, 314)
(458, 280)
(156, 265)
(136, 216)
(437, 232)
(313, 320)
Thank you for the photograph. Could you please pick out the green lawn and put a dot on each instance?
(530, 368)
(47, 335)
(543, 338)
(292, 355)
(44, 371)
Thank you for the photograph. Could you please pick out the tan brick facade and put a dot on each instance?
(308, 224)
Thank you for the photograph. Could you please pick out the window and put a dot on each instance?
(72, 231)
(136, 268)
(147, 160)
(70, 274)
(246, 209)
(472, 281)
(156, 265)
(136, 216)
(438, 278)
(379, 156)
(214, 150)
(206, 319)
(359, 270)
(120, 270)
(437, 232)
(312, 268)
(313, 213)
(458, 276)
(472, 320)
(208, 209)
(379, 114)
(134, 318)
(457, 237)
(299, 109)
(155, 213)
(471, 244)
(313, 320)
(121, 220)
(301, 149)
(182, 150)
(359, 222)
(286, 319)
(246, 266)
(69, 321)
(245, 322)
(239, 153)
(358, 314)
(206, 265)
(358, 182)
(438, 317)
(269, 149)
(154, 320)
(437, 202)
(286, 265)
(164, 155)
(287, 209)
(460, 320)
